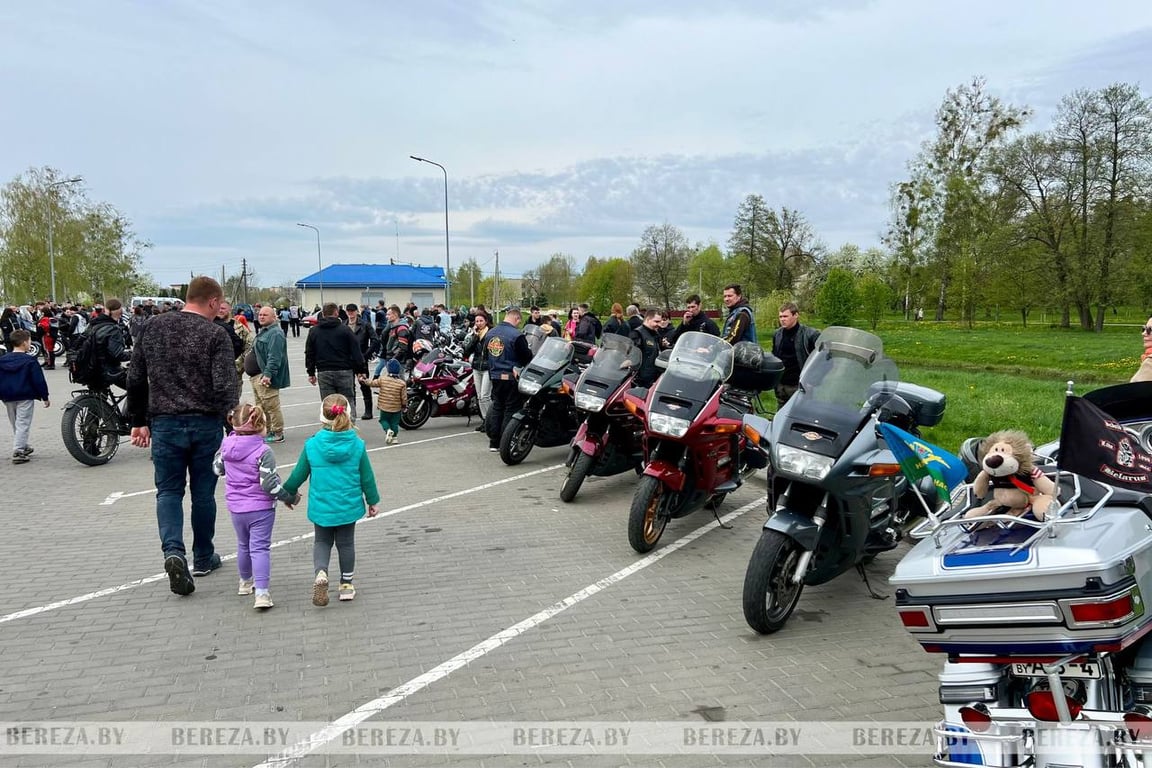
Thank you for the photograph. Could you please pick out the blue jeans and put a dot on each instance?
(182, 451)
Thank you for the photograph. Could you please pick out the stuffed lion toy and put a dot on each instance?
(1016, 484)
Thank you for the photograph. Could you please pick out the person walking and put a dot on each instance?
(332, 357)
(740, 325)
(341, 481)
(271, 351)
(182, 379)
(507, 351)
(22, 383)
(48, 326)
(392, 401)
(792, 343)
(294, 320)
(365, 332)
(285, 316)
(251, 487)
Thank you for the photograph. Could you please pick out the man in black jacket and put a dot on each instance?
(332, 356)
(108, 337)
(365, 333)
(588, 328)
(695, 319)
(224, 320)
(647, 338)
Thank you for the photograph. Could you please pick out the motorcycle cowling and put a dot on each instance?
(588, 443)
(668, 474)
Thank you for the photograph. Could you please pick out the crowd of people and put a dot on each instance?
(185, 400)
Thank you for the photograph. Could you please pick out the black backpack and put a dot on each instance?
(84, 360)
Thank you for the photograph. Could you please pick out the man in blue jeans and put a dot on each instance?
(182, 379)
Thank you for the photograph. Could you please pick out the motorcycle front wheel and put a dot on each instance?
(416, 413)
(645, 522)
(770, 595)
(576, 475)
(91, 430)
(517, 440)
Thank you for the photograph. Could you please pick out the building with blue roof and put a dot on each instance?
(370, 283)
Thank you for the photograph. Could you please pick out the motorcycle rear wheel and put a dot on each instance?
(770, 596)
(576, 475)
(416, 413)
(516, 441)
(645, 522)
(91, 430)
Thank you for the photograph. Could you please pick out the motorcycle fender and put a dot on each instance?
(800, 528)
(669, 475)
(588, 443)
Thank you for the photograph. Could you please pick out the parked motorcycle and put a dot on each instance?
(610, 438)
(1043, 623)
(696, 448)
(439, 385)
(548, 417)
(837, 496)
(92, 425)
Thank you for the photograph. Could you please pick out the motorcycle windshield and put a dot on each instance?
(614, 362)
(697, 366)
(844, 380)
(554, 354)
(535, 338)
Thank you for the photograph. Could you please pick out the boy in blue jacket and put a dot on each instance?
(22, 383)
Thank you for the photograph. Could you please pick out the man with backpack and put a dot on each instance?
(100, 350)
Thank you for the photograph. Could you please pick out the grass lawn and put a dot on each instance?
(1005, 376)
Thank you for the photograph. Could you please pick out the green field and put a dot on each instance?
(1002, 375)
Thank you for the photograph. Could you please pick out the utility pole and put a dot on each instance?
(496, 284)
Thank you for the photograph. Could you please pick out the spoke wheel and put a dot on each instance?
(416, 413)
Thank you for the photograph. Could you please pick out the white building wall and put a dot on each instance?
(310, 297)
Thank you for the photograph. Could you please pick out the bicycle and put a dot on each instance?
(93, 424)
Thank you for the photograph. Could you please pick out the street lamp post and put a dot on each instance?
(51, 249)
(319, 263)
(447, 251)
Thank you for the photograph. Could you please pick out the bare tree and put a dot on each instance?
(660, 264)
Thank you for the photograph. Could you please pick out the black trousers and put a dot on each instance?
(506, 400)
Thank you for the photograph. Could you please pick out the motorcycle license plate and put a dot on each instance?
(1080, 670)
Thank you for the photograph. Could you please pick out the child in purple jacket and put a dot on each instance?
(251, 488)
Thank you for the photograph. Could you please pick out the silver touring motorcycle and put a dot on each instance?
(1043, 623)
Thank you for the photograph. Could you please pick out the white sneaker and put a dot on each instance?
(246, 586)
(263, 602)
(389, 437)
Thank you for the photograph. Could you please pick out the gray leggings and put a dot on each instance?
(344, 537)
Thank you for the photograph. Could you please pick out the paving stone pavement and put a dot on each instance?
(667, 643)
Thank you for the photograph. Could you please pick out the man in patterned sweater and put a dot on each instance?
(182, 379)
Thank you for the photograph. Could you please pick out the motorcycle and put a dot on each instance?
(1043, 622)
(610, 438)
(439, 385)
(548, 417)
(837, 496)
(92, 425)
(696, 448)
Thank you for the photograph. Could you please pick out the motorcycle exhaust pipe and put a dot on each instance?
(819, 518)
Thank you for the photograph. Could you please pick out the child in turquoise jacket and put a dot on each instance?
(341, 482)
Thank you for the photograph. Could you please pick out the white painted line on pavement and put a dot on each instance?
(117, 495)
(282, 543)
(332, 732)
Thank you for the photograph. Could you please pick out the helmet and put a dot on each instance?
(898, 413)
(420, 346)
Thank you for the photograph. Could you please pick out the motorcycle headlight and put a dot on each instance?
(529, 387)
(803, 463)
(587, 402)
(668, 425)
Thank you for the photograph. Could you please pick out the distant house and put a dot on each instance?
(369, 283)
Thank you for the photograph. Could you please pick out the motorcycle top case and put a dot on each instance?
(754, 369)
(927, 404)
(1075, 584)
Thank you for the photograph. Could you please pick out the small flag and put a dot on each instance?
(1096, 446)
(919, 459)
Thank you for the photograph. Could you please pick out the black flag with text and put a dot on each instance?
(1096, 446)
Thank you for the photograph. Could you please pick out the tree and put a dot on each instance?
(95, 250)
(794, 249)
(875, 298)
(606, 282)
(660, 264)
(465, 280)
(708, 273)
(749, 239)
(838, 300)
(557, 279)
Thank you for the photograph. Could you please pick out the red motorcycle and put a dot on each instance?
(440, 385)
(695, 419)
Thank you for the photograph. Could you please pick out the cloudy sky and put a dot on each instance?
(216, 125)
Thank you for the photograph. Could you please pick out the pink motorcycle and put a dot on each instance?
(440, 385)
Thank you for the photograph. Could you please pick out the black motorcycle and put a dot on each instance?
(548, 417)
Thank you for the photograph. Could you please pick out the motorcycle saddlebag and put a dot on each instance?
(754, 369)
(1073, 585)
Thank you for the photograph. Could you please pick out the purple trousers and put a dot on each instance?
(253, 544)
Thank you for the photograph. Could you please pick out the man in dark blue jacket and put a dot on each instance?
(508, 352)
(22, 383)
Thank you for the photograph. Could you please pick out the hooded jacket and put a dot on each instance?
(21, 378)
(249, 466)
(331, 346)
(341, 478)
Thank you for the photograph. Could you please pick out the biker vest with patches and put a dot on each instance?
(500, 344)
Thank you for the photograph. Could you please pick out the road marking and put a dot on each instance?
(115, 496)
(332, 732)
(282, 543)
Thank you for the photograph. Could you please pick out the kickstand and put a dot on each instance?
(716, 514)
(864, 576)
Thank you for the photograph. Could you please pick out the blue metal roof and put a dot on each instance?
(374, 276)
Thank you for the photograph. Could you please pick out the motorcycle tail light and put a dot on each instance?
(976, 717)
(915, 618)
(1112, 610)
(1139, 722)
(1042, 706)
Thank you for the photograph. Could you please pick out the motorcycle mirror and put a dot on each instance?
(662, 358)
